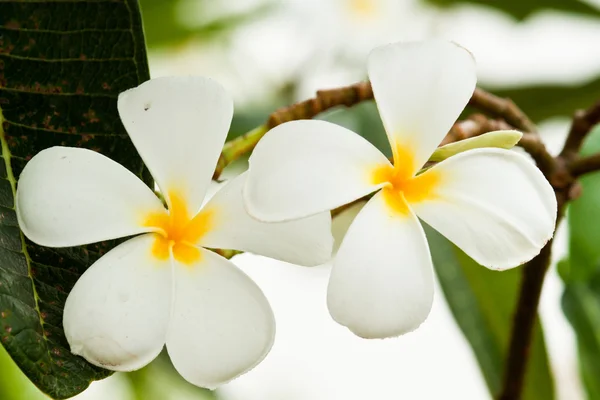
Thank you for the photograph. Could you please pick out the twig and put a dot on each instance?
(307, 109)
(502, 108)
(585, 165)
(583, 122)
(359, 92)
(325, 100)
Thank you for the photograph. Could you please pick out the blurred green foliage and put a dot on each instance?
(165, 26)
(521, 9)
(580, 272)
(160, 381)
(584, 253)
(14, 385)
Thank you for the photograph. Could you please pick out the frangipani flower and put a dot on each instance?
(492, 203)
(163, 286)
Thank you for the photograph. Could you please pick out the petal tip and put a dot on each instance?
(374, 333)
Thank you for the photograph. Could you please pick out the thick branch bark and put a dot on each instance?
(523, 324)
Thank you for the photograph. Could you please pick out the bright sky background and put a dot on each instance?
(314, 358)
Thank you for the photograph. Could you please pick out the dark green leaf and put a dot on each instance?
(62, 65)
(482, 302)
(521, 9)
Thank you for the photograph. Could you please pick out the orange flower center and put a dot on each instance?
(402, 185)
(176, 232)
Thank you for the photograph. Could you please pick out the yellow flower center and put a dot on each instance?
(362, 8)
(402, 186)
(176, 232)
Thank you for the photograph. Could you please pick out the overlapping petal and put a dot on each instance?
(305, 241)
(69, 197)
(420, 89)
(302, 168)
(381, 283)
(222, 324)
(178, 125)
(494, 204)
(117, 314)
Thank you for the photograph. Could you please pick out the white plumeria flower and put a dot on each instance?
(163, 286)
(494, 204)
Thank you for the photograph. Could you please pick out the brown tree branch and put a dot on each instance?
(362, 91)
(502, 108)
(524, 319)
(324, 100)
(583, 122)
(584, 165)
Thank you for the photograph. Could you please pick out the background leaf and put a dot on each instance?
(581, 273)
(482, 302)
(160, 381)
(13, 384)
(581, 304)
(164, 25)
(584, 252)
(62, 65)
(521, 9)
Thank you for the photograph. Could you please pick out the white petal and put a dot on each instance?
(117, 315)
(306, 241)
(69, 197)
(494, 204)
(381, 283)
(421, 89)
(305, 167)
(178, 125)
(222, 324)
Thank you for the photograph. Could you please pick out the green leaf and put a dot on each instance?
(584, 252)
(581, 305)
(160, 381)
(62, 65)
(581, 271)
(521, 9)
(482, 302)
(164, 25)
